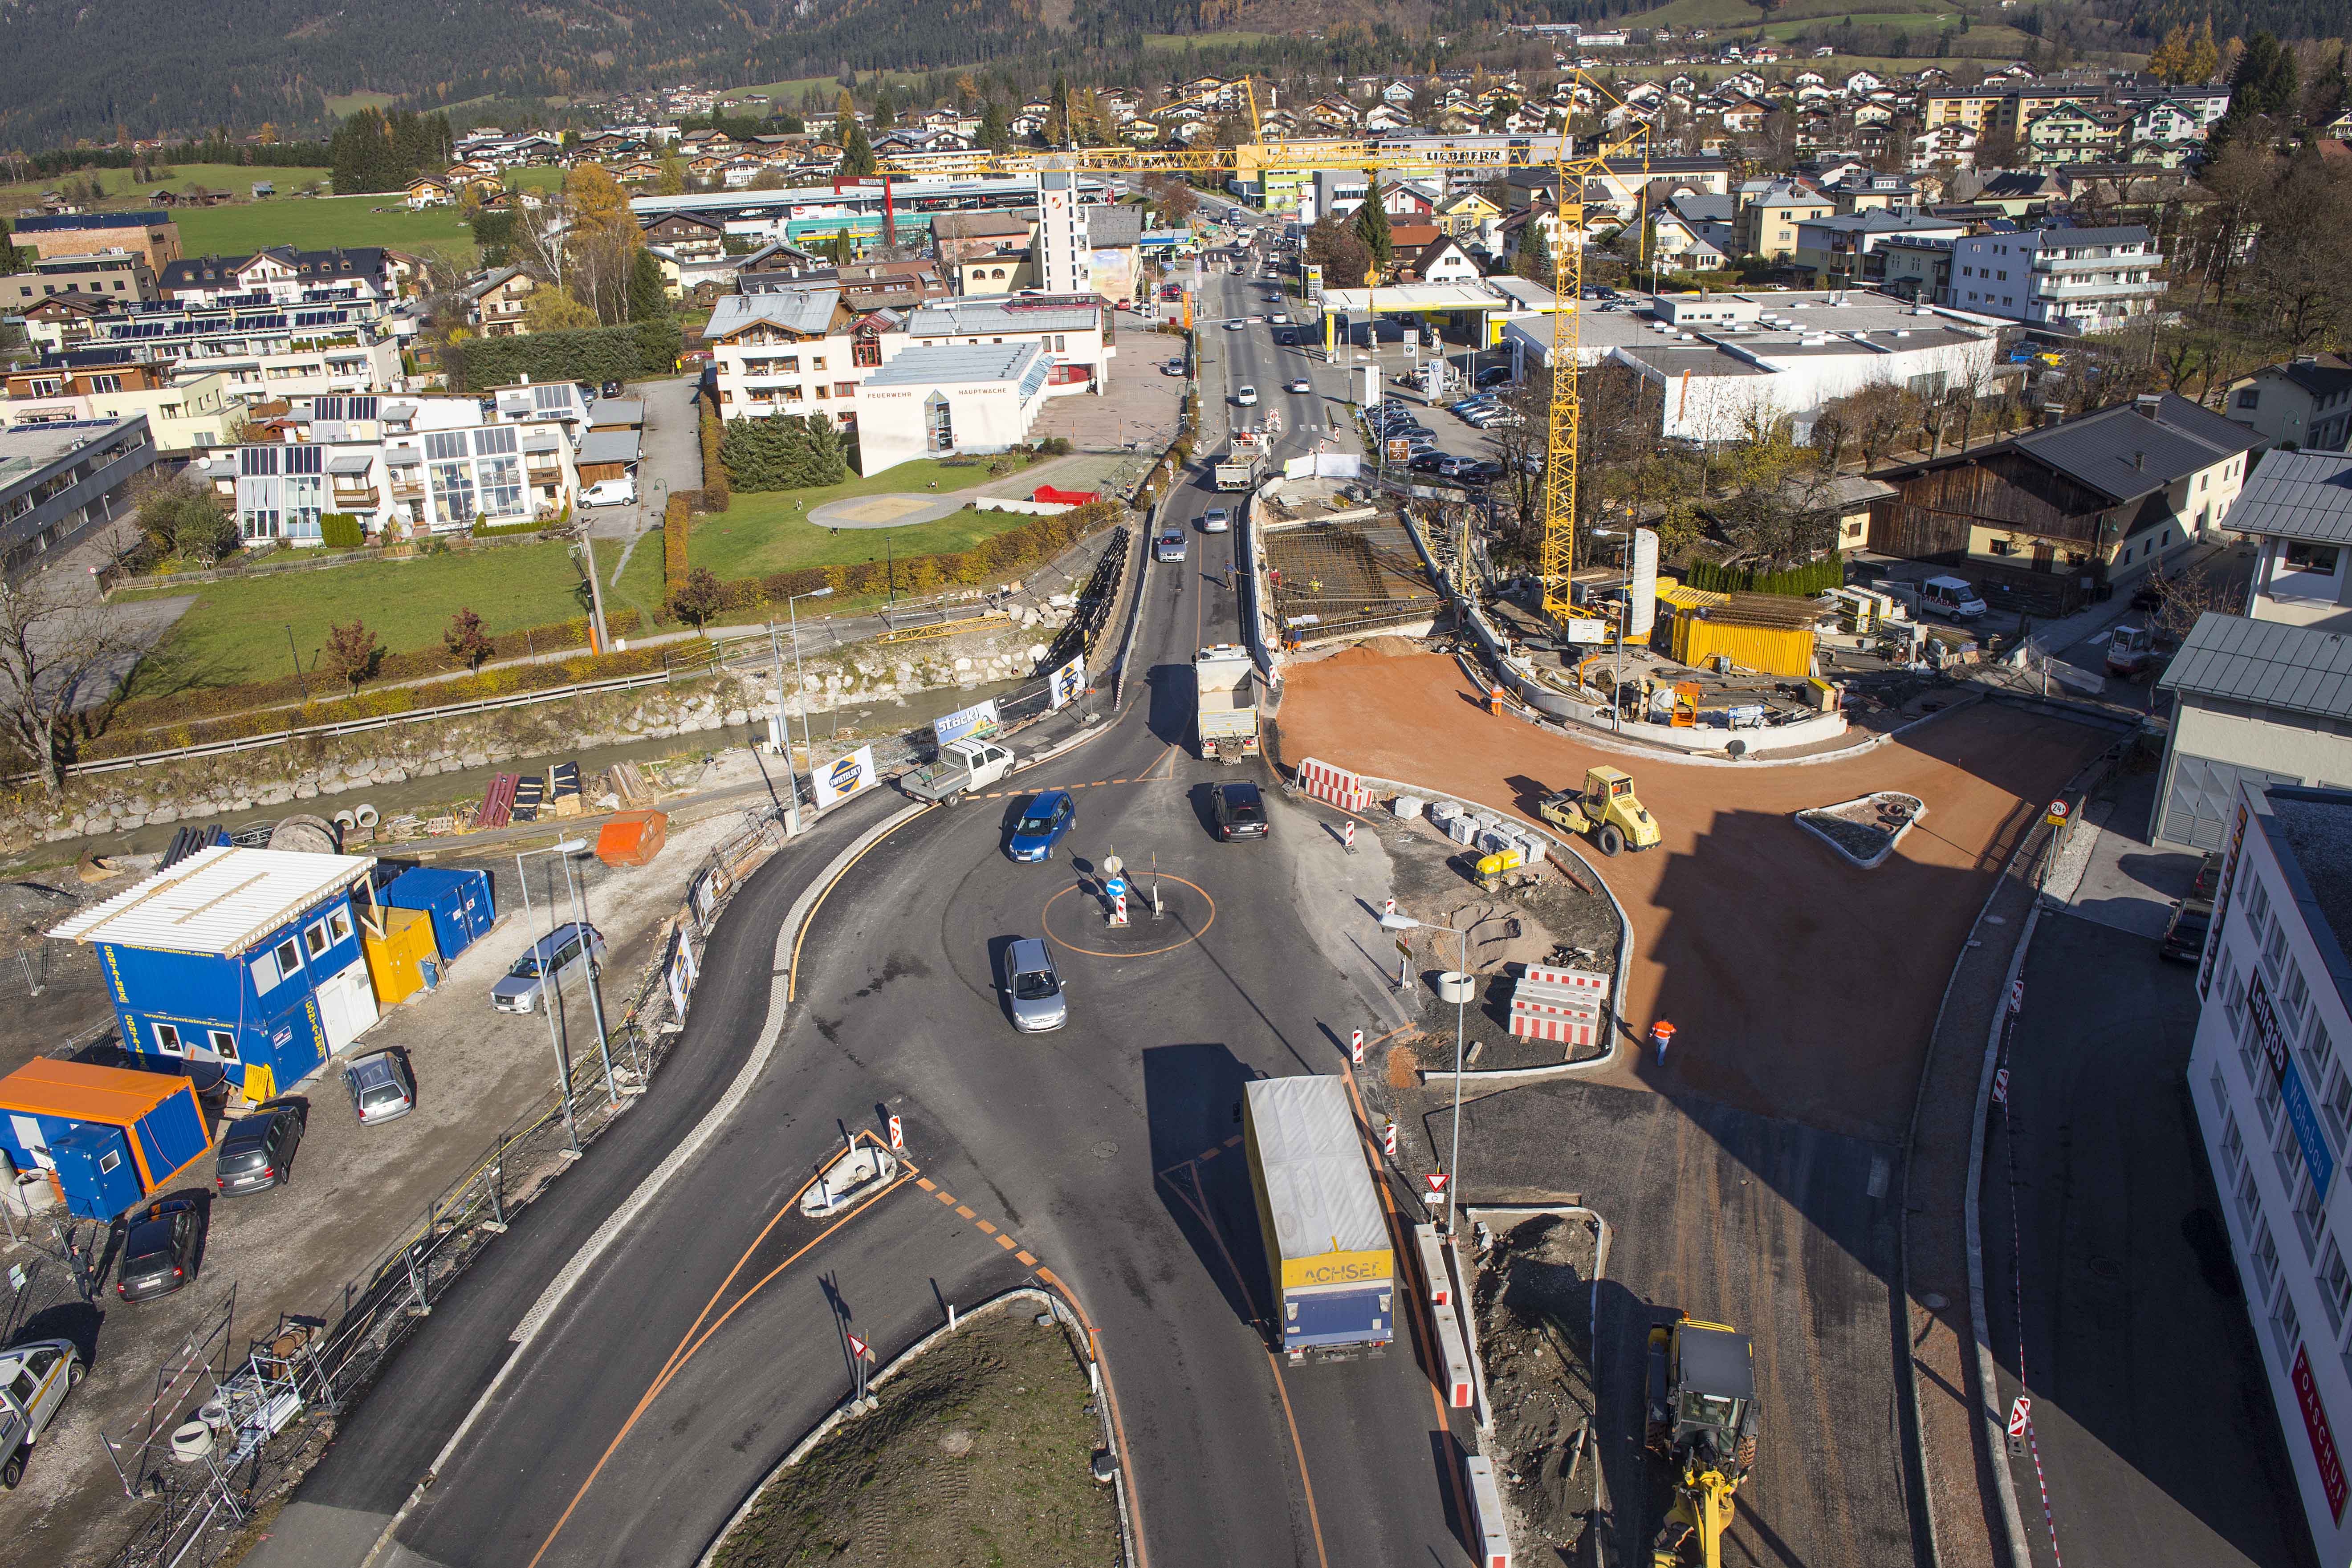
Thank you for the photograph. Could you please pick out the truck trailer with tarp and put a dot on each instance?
(1327, 1243)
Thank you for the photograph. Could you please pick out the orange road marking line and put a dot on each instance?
(947, 1198)
(927, 1184)
(964, 1210)
(985, 1227)
(1005, 1242)
(1313, 1520)
(1026, 1258)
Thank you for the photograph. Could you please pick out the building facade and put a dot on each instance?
(184, 414)
(153, 236)
(2304, 403)
(2069, 280)
(60, 482)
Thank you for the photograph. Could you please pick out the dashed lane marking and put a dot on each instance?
(963, 1211)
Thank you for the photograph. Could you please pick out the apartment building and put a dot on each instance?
(153, 236)
(2274, 1105)
(61, 483)
(2304, 402)
(117, 276)
(1769, 214)
(794, 352)
(2070, 280)
(263, 349)
(182, 417)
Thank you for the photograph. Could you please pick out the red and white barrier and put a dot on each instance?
(1574, 979)
(1573, 1031)
(1334, 786)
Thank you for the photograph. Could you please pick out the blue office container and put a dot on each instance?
(459, 901)
(112, 1135)
(95, 1171)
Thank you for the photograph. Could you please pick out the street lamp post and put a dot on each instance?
(547, 1003)
(793, 615)
(1461, 1011)
(579, 891)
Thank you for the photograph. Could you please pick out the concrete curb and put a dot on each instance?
(1617, 1034)
(1871, 862)
(900, 1363)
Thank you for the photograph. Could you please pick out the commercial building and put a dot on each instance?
(151, 235)
(1075, 332)
(2069, 280)
(249, 958)
(932, 401)
(184, 414)
(858, 208)
(117, 276)
(2256, 702)
(2274, 1103)
(2306, 403)
(61, 483)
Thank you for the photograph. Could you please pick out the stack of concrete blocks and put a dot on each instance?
(1405, 808)
(1549, 1002)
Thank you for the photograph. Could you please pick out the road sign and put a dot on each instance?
(1114, 886)
(2001, 1087)
(898, 1133)
(1399, 449)
(2019, 1416)
(1355, 1046)
(2016, 996)
(1392, 907)
(857, 1348)
(2057, 815)
(1437, 1183)
(1349, 837)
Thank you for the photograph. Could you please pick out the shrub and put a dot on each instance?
(340, 531)
(782, 452)
(1804, 581)
(484, 528)
(717, 494)
(583, 354)
(674, 531)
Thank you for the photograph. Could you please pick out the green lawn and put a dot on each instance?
(340, 104)
(120, 190)
(242, 227)
(236, 630)
(786, 95)
(640, 586)
(1203, 40)
(770, 531)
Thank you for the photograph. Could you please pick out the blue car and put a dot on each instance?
(1045, 824)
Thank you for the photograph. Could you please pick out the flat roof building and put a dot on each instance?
(61, 483)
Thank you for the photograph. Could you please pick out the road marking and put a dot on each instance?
(1005, 1242)
(947, 1198)
(808, 922)
(985, 1227)
(1026, 1258)
(964, 1210)
(925, 1184)
(1045, 918)
(1118, 1425)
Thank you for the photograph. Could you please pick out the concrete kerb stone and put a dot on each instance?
(906, 1358)
(1866, 862)
(1560, 847)
(1141, 577)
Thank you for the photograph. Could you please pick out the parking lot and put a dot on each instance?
(356, 1191)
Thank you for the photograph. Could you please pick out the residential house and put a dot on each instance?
(2070, 280)
(688, 235)
(496, 305)
(2055, 513)
(282, 274)
(2306, 403)
(2297, 511)
(1945, 147)
(2071, 133)
(1769, 214)
(1442, 261)
(1841, 250)
(430, 191)
(108, 278)
(184, 415)
(153, 234)
(1468, 216)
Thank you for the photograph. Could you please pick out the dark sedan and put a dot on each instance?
(258, 1151)
(159, 1250)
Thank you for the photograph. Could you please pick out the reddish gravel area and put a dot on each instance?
(1799, 986)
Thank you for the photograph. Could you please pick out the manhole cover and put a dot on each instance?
(1105, 1149)
(2106, 1268)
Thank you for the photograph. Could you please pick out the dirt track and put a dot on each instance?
(1799, 986)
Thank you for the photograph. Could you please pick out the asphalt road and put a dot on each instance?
(706, 1338)
(2156, 1433)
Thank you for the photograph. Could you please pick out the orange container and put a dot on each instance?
(633, 837)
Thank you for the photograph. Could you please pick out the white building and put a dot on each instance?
(2072, 280)
(1065, 259)
(792, 351)
(2274, 1101)
(969, 397)
(1073, 332)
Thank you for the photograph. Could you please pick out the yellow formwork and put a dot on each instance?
(1768, 649)
(397, 960)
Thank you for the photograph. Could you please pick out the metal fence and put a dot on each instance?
(323, 1363)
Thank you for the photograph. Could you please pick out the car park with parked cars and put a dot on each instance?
(1043, 824)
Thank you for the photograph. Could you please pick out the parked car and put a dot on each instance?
(1240, 811)
(1298, 384)
(1950, 598)
(2184, 934)
(620, 492)
(1032, 987)
(258, 1151)
(1246, 397)
(1428, 461)
(1173, 367)
(1044, 823)
(1484, 471)
(35, 1378)
(557, 956)
(159, 1244)
(613, 389)
(1215, 520)
(381, 1087)
(1495, 376)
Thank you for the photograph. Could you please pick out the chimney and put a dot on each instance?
(2150, 403)
(2140, 460)
(2052, 414)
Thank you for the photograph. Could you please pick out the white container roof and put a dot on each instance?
(218, 901)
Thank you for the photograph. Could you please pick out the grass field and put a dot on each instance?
(236, 630)
(768, 531)
(314, 224)
(120, 188)
(787, 94)
(1203, 40)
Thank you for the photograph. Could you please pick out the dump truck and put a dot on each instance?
(1702, 1420)
(1607, 812)
(1327, 1245)
(963, 765)
(1244, 462)
(1225, 706)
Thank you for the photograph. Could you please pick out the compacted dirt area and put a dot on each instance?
(978, 1456)
(1533, 1297)
(1800, 985)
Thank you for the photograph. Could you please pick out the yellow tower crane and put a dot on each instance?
(1625, 154)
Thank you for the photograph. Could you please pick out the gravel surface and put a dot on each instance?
(1533, 1297)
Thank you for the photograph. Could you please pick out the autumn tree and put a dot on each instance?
(62, 654)
(552, 309)
(467, 641)
(701, 598)
(353, 652)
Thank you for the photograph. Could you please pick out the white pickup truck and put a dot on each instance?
(34, 1380)
(963, 765)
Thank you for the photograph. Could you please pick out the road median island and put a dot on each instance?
(980, 1450)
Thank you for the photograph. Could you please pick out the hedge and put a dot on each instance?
(1805, 581)
(205, 702)
(485, 530)
(585, 354)
(674, 531)
(340, 531)
(717, 492)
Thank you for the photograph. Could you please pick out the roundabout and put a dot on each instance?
(1186, 913)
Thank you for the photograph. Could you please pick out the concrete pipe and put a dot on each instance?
(366, 817)
(344, 818)
(191, 1442)
(1455, 987)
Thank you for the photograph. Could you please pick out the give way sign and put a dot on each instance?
(1438, 1182)
(857, 1348)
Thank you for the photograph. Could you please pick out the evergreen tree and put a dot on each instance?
(1533, 261)
(1371, 224)
(1057, 116)
(994, 133)
(885, 115)
(648, 291)
(858, 154)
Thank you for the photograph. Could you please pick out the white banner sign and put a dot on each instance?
(1066, 682)
(845, 777)
(977, 722)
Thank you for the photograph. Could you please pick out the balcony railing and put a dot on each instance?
(349, 498)
(2101, 256)
(2091, 288)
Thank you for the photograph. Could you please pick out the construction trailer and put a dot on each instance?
(1327, 1242)
(458, 899)
(109, 1137)
(249, 958)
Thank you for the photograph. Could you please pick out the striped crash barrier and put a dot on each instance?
(1335, 786)
(1570, 1015)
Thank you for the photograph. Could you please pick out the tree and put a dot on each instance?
(552, 309)
(467, 641)
(1535, 262)
(2302, 277)
(177, 516)
(1371, 224)
(648, 289)
(783, 452)
(857, 155)
(60, 655)
(2171, 60)
(1874, 415)
(701, 598)
(671, 181)
(1332, 245)
(353, 652)
(885, 116)
(994, 133)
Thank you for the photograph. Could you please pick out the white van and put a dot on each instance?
(621, 492)
(1951, 597)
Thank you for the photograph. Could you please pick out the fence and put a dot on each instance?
(325, 1363)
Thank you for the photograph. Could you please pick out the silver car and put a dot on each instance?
(383, 1088)
(563, 954)
(1034, 988)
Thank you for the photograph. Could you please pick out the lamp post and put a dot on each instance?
(784, 726)
(573, 849)
(547, 1005)
(1461, 1010)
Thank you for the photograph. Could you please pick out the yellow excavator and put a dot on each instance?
(1702, 1421)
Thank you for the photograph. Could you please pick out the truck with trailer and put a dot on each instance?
(1326, 1244)
(1224, 705)
(1244, 462)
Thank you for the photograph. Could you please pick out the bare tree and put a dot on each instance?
(61, 655)
(2182, 598)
